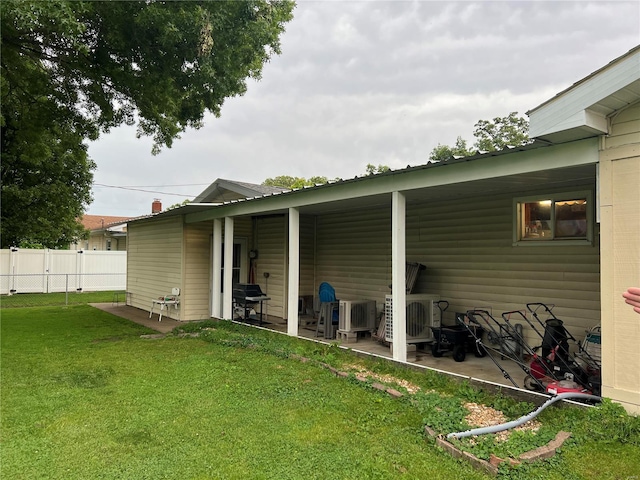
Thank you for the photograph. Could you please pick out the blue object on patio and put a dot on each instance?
(329, 311)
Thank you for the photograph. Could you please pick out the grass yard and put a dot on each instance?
(62, 298)
(85, 397)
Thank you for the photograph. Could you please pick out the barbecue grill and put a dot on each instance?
(248, 295)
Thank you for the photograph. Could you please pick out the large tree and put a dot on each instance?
(73, 69)
(490, 135)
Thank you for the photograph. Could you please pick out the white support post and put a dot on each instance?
(398, 276)
(216, 268)
(294, 272)
(227, 290)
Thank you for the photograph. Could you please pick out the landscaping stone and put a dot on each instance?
(379, 386)
(546, 451)
(475, 461)
(394, 393)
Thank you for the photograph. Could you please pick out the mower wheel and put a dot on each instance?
(531, 384)
(459, 353)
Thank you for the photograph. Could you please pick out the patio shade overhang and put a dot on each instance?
(511, 170)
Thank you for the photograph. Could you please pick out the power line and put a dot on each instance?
(146, 191)
(156, 186)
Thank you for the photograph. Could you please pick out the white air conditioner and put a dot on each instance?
(422, 314)
(357, 315)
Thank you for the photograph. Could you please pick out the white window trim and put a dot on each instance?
(554, 197)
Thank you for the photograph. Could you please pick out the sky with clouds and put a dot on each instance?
(371, 82)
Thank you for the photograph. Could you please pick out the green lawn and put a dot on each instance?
(84, 397)
(62, 298)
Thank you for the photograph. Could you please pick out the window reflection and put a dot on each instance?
(553, 219)
(537, 220)
(571, 219)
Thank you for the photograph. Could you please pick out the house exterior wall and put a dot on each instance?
(120, 244)
(197, 267)
(620, 221)
(354, 254)
(271, 243)
(155, 262)
(307, 285)
(472, 262)
(98, 241)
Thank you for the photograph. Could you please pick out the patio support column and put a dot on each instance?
(216, 267)
(294, 272)
(398, 276)
(227, 283)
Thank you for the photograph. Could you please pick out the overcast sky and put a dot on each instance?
(380, 82)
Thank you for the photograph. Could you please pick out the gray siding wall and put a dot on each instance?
(271, 243)
(307, 284)
(467, 247)
(354, 254)
(154, 261)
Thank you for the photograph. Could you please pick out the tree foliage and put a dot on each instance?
(490, 135)
(73, 69)
(509, 131)
(287, 181)
(372, 169)
(445, 152)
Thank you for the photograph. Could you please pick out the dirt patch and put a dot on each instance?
(362, 372)
(483, 416)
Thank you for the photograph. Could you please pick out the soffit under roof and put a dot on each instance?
(581, 111)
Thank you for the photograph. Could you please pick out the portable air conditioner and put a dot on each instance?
(422, 314)
(357, 315)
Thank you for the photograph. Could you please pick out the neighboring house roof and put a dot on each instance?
(582, 110)
(224, 190)
(100, 222)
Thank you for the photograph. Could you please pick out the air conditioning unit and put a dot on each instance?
(422, 314)
(357, 315)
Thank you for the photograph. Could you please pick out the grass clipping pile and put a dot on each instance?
(479, 415)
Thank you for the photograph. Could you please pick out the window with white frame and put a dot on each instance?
(554, 218)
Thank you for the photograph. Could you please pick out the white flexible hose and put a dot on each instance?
(525, 418)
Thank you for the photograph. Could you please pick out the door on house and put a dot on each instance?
(239, 274)
(235, 275)
(240, 266)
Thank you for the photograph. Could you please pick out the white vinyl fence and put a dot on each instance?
(48, 271)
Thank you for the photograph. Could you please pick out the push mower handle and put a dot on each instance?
(442, 305)
(506, 315)
(534, 307)
(471, 315)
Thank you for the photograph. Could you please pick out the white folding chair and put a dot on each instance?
(166, 301)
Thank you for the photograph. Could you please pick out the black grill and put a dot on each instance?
(246, 295)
